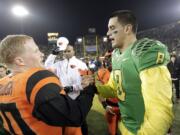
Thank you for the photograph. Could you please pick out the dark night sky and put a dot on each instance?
(71, 18)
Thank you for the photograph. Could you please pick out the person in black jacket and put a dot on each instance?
(174, 69)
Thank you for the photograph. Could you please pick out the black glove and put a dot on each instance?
(91, 89)
(68, 89)
(55, 50)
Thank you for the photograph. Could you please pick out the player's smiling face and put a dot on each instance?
(116, 32)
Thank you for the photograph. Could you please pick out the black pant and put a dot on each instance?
(84, 128)
(176, 84)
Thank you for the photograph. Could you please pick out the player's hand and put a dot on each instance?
(174, 79)
(101, 99)
(109, 109)
(87, 80)
(55, 50)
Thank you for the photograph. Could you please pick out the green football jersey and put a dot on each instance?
(126, 67)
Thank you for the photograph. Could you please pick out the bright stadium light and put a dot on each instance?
(20, 11)
(79, 40)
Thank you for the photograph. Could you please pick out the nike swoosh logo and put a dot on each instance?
(125, 59)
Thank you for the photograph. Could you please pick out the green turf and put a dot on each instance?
(96, 120)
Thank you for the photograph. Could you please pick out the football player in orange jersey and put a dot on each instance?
(31, 98)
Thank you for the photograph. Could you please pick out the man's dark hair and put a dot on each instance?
(126, 17)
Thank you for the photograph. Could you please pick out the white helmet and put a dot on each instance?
(62, 43)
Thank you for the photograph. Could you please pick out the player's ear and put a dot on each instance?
(128, 28)
(19, 61)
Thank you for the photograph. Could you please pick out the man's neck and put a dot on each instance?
(70, 58)
(127, 42)
(17, 71)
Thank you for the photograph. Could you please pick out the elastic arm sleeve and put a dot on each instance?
(157, 94)
(108, 90)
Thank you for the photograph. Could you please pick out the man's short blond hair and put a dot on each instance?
(11, 46)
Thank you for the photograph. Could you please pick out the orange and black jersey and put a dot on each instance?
(31, 103)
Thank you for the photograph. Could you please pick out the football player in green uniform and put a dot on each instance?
(139, 78)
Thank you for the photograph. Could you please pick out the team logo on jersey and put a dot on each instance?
(72, 66)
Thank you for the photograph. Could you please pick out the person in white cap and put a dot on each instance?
(68, 72)
(67, 69)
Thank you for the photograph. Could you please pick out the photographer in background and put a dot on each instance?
(174, 69)
(68, 72)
